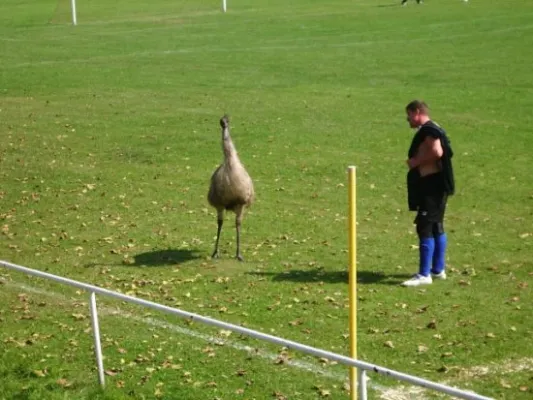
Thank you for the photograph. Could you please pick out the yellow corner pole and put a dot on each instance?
(352, 273)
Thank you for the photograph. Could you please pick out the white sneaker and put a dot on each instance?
(441, 276)
(418, 280)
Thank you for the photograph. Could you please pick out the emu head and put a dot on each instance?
(224, 122)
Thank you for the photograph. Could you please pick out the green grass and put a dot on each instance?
(110, 134)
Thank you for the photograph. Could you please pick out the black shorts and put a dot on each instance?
(432, 199)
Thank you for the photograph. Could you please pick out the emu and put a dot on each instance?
(231, 187)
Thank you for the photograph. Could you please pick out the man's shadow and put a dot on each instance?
(389, 5)
(321, 275)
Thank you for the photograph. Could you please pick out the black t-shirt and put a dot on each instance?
(431, 129)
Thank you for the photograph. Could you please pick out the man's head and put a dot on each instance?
(417, 113)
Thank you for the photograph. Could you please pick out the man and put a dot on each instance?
(430, 181)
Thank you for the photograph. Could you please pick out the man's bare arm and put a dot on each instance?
(430, 151)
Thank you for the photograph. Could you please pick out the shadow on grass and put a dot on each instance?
(389, 5)
(320, 275)
(158, 258)
(164, 257)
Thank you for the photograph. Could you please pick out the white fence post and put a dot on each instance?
(97, 345)
(361, 381)
(345, 360)
(73, 6)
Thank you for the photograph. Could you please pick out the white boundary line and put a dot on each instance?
(98, 34)
(386, 393)
(400, 392)
(116, 311)
(339, 358)
(158, 17)
(262, 48)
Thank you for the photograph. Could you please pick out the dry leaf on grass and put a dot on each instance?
(63, 383)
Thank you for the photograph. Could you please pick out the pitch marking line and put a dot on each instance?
(267, 48)
(254, 351)
(386, 393)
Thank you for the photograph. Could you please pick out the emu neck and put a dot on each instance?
(230, 153)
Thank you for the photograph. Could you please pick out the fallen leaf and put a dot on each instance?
(432, 324)
(224, 333)
(279, 396)
(40, 373)
(79, 317)
(422, 349)
(111, 372)
(505, 384)
(422, 309)
(63, 383)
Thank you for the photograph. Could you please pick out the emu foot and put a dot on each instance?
(215, 254)
(239, 257)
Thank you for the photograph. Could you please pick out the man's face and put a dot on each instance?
(413, 117)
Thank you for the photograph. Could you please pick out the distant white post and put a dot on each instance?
(223, 5)
(73, 6)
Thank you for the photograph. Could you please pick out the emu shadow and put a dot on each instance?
(164, 257)
(154, 259)
(320, 275)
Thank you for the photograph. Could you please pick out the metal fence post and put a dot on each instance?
(345, 360)
(361, 380)
(97, 345)
(74, 14)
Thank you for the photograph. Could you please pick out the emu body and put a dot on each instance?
(231, 187)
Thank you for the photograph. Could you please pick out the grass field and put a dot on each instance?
(110, 134)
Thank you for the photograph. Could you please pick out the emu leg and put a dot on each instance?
(220, 222)
(238, 220)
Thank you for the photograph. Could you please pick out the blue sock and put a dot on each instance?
(439, 256)
(427, 248)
